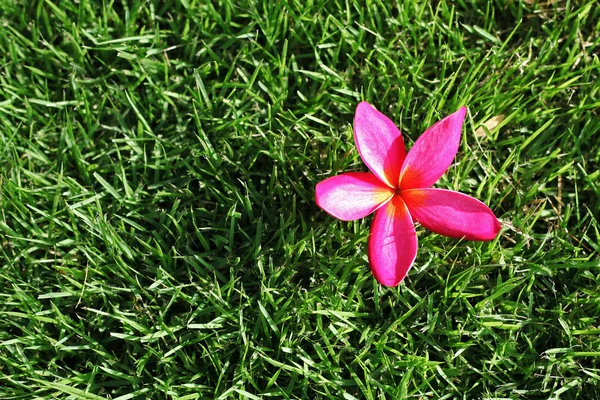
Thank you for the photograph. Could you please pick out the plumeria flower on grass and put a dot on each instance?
(398, 189)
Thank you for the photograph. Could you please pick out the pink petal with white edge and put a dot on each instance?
(392, 243)
(433, 152)
(379, 143)
(352, 195)
(452, 213)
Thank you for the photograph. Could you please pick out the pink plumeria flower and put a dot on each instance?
(398, 189)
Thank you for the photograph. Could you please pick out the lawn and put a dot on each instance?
(159, 237)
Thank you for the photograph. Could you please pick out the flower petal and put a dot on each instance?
(452, 213)
(433, 152)
(379, 143)
(392, 243)
(352, 195)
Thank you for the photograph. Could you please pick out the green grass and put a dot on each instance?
(158, 232)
